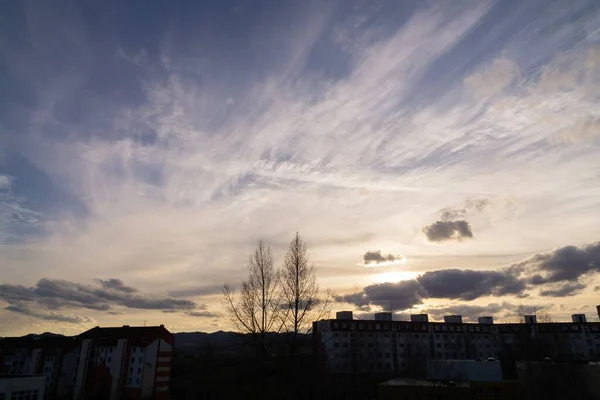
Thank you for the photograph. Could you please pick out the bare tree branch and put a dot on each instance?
(255, 310)
(300, 296)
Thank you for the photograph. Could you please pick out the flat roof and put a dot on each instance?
(424, 383)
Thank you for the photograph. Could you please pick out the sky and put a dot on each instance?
(436, 156)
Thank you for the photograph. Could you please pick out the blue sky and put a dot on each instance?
(155, 143)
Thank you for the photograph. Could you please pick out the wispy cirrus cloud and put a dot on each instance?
(355, 129)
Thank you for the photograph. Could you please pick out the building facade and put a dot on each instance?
(22, 387)
(104, 363)
(388, 347)
(46, 355)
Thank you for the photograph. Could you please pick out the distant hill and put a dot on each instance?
(198, 339)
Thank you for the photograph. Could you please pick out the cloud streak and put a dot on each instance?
(175, 145)
(61, 294)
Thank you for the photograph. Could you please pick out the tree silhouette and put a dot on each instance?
(300, 294)
(255, 310)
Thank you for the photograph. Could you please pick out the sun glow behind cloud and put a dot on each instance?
(393, 276)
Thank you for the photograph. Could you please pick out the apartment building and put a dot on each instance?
(382, 346)
(126, 362)
(107, 363)
(47, 355)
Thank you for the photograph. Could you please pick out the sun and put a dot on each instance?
(393, 276)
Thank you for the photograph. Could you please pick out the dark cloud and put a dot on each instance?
(554, 273)
(446, 283)
(567, 263)
(478, 204)
(55, 294)
(116, 284)
(402, 295)
(448, 214)
(441, 231)
(48, 316)
(469, 284)
(563, 290)
(203, 314)
(376, 257)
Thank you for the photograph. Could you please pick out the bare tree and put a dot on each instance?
(544, 317)
(302, 301)
(255, 310)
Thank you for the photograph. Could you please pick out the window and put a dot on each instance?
(129, 381)
(132, 360)
(377, 326)
(139, 370)
(361, 326)
(133, 349)
(109, 359)
(131, 370)
(137, 381)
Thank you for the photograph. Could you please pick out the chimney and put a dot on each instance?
(383, 316)
(578, 318)
(343, 315)
(530, 319)
(485, 320)
(419, 318)
(453, 319)
(598, 309)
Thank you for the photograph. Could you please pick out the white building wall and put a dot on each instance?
(84, 355)
(116, 368)
(149, 368)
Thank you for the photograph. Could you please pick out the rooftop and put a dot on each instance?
(424, 383)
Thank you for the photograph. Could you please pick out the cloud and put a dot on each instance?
(447, 283)
(441, 231)
(58, 294)
(581, 131)
(203, 314)
(554, 273)
(568, 263)
(469, 284)
(448, 214)
(116, 284)
(563, 290)
(173, 180)
(48, 316)
(5, 181)
(401, 295)
(377, 259)
(494, 79)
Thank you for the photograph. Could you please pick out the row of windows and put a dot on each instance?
(22, 395)
(462, 328)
